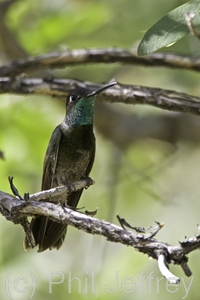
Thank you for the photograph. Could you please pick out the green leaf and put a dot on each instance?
(171, 28)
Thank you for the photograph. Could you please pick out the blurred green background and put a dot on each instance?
(152, 174)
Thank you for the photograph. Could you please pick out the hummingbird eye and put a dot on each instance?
(72, 98)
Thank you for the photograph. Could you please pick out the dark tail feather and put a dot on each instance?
(50, 234)
(47, 234)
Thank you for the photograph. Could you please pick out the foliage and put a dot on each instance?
(171, 28)
(151, 180)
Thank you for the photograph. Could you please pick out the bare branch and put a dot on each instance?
(16, 210)
(107, 55)
(128, 94)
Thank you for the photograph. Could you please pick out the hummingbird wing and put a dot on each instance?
(56, 232)
(50, 160)
(39, 224)
(47, 233)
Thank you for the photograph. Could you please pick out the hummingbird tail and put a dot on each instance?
(47, 234)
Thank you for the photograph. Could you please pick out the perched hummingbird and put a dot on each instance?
(69, 157)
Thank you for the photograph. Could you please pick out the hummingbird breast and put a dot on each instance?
(76, 151)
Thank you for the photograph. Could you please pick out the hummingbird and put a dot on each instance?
(69, 157)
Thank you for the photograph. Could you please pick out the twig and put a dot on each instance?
(152, 231)
(14, 189)
(186, 269)
(23, 221)
(165, 271)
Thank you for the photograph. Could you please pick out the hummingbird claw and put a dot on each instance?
(70, 187)
(63, 205)
(89, 181)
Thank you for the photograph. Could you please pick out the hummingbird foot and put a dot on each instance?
(62, 204)
(70, 187)
(89, 181)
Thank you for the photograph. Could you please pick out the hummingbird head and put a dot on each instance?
(80, 105)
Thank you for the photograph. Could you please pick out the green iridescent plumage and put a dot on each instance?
(82, 113)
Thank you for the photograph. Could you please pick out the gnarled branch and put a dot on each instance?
(15, 210)
(128, 94)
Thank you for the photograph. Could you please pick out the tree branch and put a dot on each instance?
(128, 94)
(107, 55)
(15, 210)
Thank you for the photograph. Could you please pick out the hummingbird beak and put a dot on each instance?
(101, 89)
